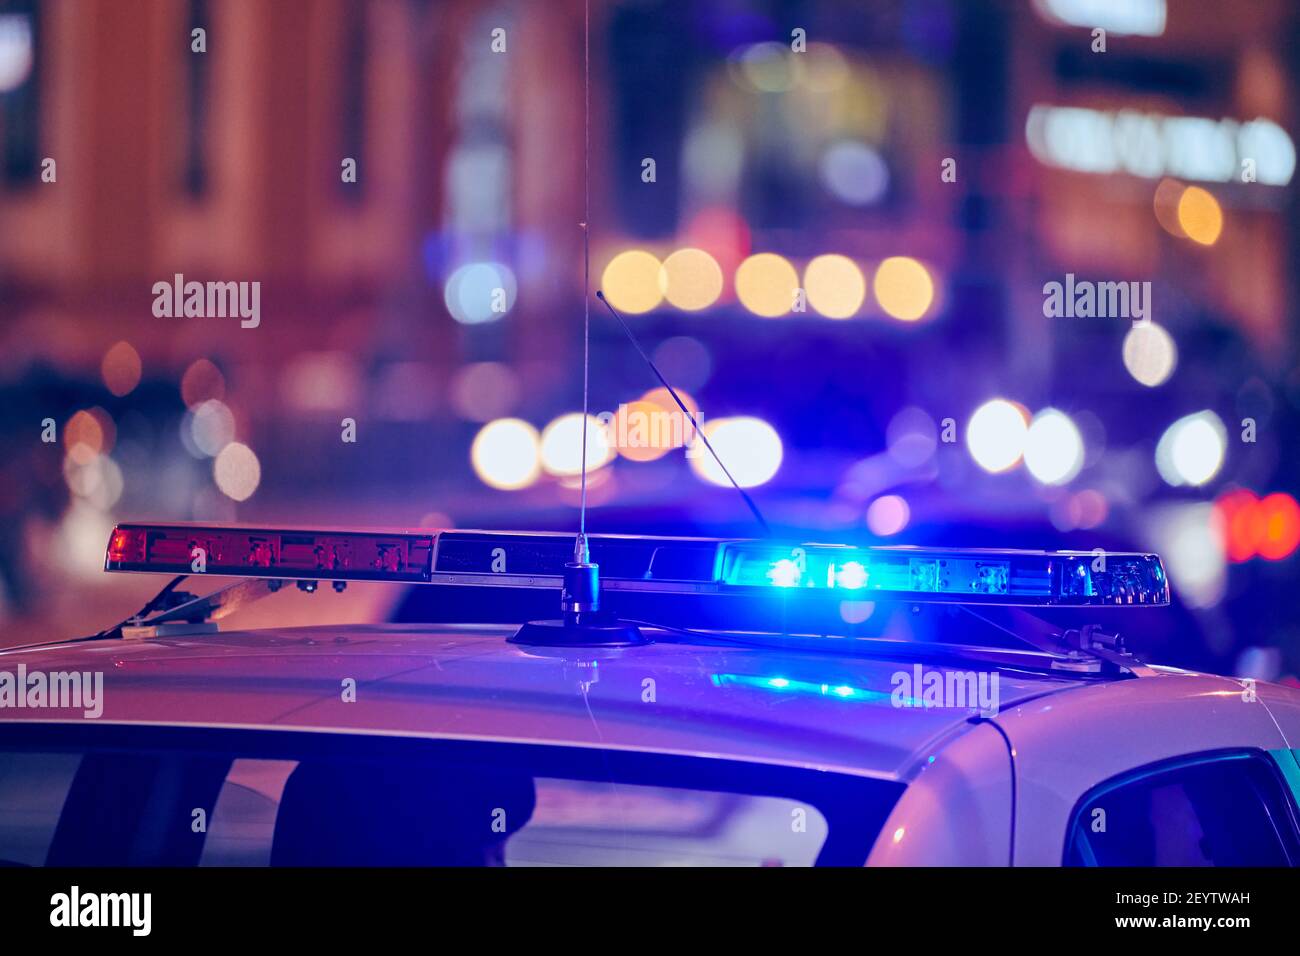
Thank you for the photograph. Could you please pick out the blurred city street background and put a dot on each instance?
(919, 169)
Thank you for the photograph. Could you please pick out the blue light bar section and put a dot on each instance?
(960, 576)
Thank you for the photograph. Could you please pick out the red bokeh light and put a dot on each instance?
(1250, 526)
(1280, 521)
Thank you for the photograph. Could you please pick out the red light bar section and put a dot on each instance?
(243, 552)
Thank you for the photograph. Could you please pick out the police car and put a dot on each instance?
(696, 702)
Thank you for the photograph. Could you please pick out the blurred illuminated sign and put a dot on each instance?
(1151, 145)
(1121, 17)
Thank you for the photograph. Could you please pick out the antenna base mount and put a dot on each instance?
(580, 631)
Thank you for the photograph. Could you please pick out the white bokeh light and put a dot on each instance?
(750, 447)
(1053, 447)
(505, 454)
(480, 292)
(996, 435)
(561, 447)
(1191, 450)
(237, 471)
(1149, 354)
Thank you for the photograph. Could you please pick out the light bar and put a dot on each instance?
(255, 553)
(683, 566)
(966, 575)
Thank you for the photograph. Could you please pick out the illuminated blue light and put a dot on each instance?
(852, 576)
(784, 573)
(951, 575)
(785, 685)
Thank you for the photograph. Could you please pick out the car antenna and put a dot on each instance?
(695, 425)
(581, 623)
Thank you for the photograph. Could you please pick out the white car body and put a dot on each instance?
(979, 790)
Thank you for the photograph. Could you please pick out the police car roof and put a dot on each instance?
(769, 705)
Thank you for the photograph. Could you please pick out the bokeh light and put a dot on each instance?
(211, 427)
(99, 481)
(750, 447)
(561, 445)
(1083, 509)
(237, 471)
(722, 233)
(17, 51)
(856, 612)
(1149, 354)
(690, 279)
(771, 67)
(685, 361)
(854, 173)
(1185, 537)
(835, 286)
(1191, 450)
(84, 437)
(480, 292)
(631, 282)
(888, 515)
(766, 284)
(1238, 521)
(911, 437)
(664, 399)
(996, 435)
(1249, 526)
(903, 288)
(1200, 216)
(1280, 518)
(1053, 447)
(644, 431)
(482, 391)
(324, 381)
(121, 368)
(202, 381)
(505, 454)
(1165, 204)
(825, 68)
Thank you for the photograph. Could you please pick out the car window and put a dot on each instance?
(1228, 809)
(239, 798)
(574, 823)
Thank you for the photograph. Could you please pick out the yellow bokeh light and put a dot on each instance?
(643, 431)
(1165, 203)
(631, 281)
(664, 399)
(1200, 216)
(903, 288)
(835, 286)
(766, 284)
(691, 279)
